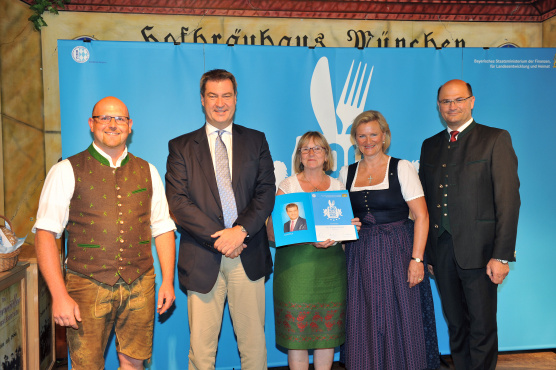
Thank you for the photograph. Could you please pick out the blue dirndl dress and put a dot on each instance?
(388, 325)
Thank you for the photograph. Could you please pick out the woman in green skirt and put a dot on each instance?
(309, 279)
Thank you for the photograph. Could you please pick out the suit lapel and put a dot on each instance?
(204, 159)
(435, 155)
(467, 130)
(238, 157)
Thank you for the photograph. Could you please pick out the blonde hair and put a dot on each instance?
(372, 116)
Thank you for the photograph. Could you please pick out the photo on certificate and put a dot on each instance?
(295, 220)
(313, 217)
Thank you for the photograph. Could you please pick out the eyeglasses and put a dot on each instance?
(316, 149)
(458, 101)
(121, 120)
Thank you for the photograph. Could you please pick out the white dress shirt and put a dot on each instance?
(212, 134)
(292, 223)
(460, 129)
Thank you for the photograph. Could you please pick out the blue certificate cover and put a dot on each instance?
(313, 217)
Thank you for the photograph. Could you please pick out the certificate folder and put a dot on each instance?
(327, 214)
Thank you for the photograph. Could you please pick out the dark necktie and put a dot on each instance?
(224, 182)
(453, 135)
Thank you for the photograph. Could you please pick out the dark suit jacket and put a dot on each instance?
(483, 194)
(301, 224)
(195, 203)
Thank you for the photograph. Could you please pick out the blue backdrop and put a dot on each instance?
(286, 91)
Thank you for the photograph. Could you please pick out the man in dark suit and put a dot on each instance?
(220, 186)
(299, 223)
(469, 175)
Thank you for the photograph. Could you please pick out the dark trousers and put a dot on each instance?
(469, 301)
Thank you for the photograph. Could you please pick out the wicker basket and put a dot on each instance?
(8, 260)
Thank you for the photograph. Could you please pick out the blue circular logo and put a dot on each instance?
(80, 54)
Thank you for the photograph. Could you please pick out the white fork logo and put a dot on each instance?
(347, 109)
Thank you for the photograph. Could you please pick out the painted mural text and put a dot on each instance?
(355, 38)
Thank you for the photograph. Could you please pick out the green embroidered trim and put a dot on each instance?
(88, 245)
(96, 155)
(145, 242)
(126, 159)
(138, 191)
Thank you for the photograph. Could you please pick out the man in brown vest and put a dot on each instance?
(112, 203)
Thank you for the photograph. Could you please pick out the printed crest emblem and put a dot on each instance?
(332, 212)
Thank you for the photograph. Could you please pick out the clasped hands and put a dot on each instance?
(229, 242)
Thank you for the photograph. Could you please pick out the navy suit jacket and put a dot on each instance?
(300, 224)
(194, 201)
(483, 198)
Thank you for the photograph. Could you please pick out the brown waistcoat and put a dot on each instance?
(109, 218)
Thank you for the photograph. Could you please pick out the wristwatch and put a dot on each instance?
(417, 259)
(502, 261)
(243, 229)
(247, 238)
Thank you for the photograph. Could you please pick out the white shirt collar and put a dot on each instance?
(210, 128)
(461, 128)
(118, 162)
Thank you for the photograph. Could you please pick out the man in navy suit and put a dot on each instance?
(299, 223)
(469, 175)
(220, 257)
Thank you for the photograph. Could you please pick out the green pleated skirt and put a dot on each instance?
(309, 296)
